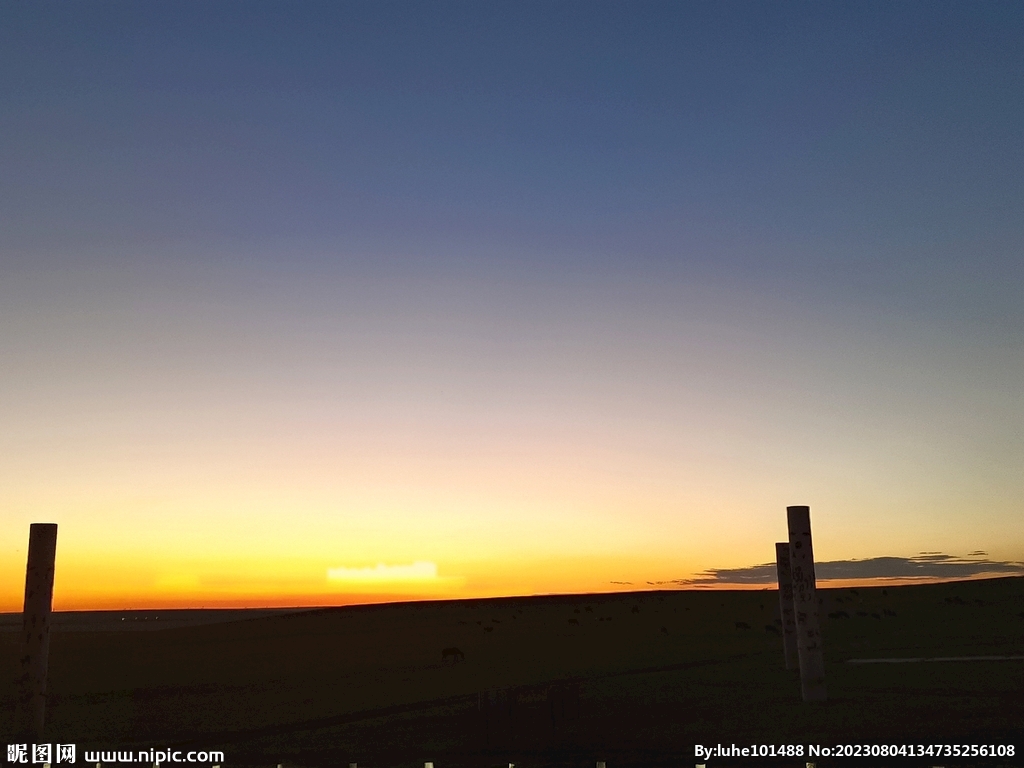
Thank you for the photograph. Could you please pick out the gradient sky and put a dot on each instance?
(312, 303)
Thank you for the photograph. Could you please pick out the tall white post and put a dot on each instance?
(805, 603)
(35, 628)
(785, 573)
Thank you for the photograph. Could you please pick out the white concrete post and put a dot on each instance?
(805, 603)
(785, 573)
(35, 628)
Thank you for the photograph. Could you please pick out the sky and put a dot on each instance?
(327, 303)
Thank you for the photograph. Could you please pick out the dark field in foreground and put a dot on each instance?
(655, 673)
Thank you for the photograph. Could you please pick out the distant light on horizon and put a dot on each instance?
(419, 571)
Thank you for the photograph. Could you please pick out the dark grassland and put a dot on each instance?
(657, 673)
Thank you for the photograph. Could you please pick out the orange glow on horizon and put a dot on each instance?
(142, 601)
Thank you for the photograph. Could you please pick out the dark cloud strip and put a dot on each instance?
(930, 565)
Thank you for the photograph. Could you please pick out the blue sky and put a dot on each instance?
(640, 255)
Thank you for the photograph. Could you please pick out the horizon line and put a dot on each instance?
(228, 605)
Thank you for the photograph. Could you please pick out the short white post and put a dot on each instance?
(805, 603)
(785, 574)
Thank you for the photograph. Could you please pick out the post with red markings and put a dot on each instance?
(805, 604)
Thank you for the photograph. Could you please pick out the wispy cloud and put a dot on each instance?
(925, 565)
(418, 572)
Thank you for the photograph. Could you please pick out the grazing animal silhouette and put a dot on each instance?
(742, 625)
(452, 655)
(574, 621)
